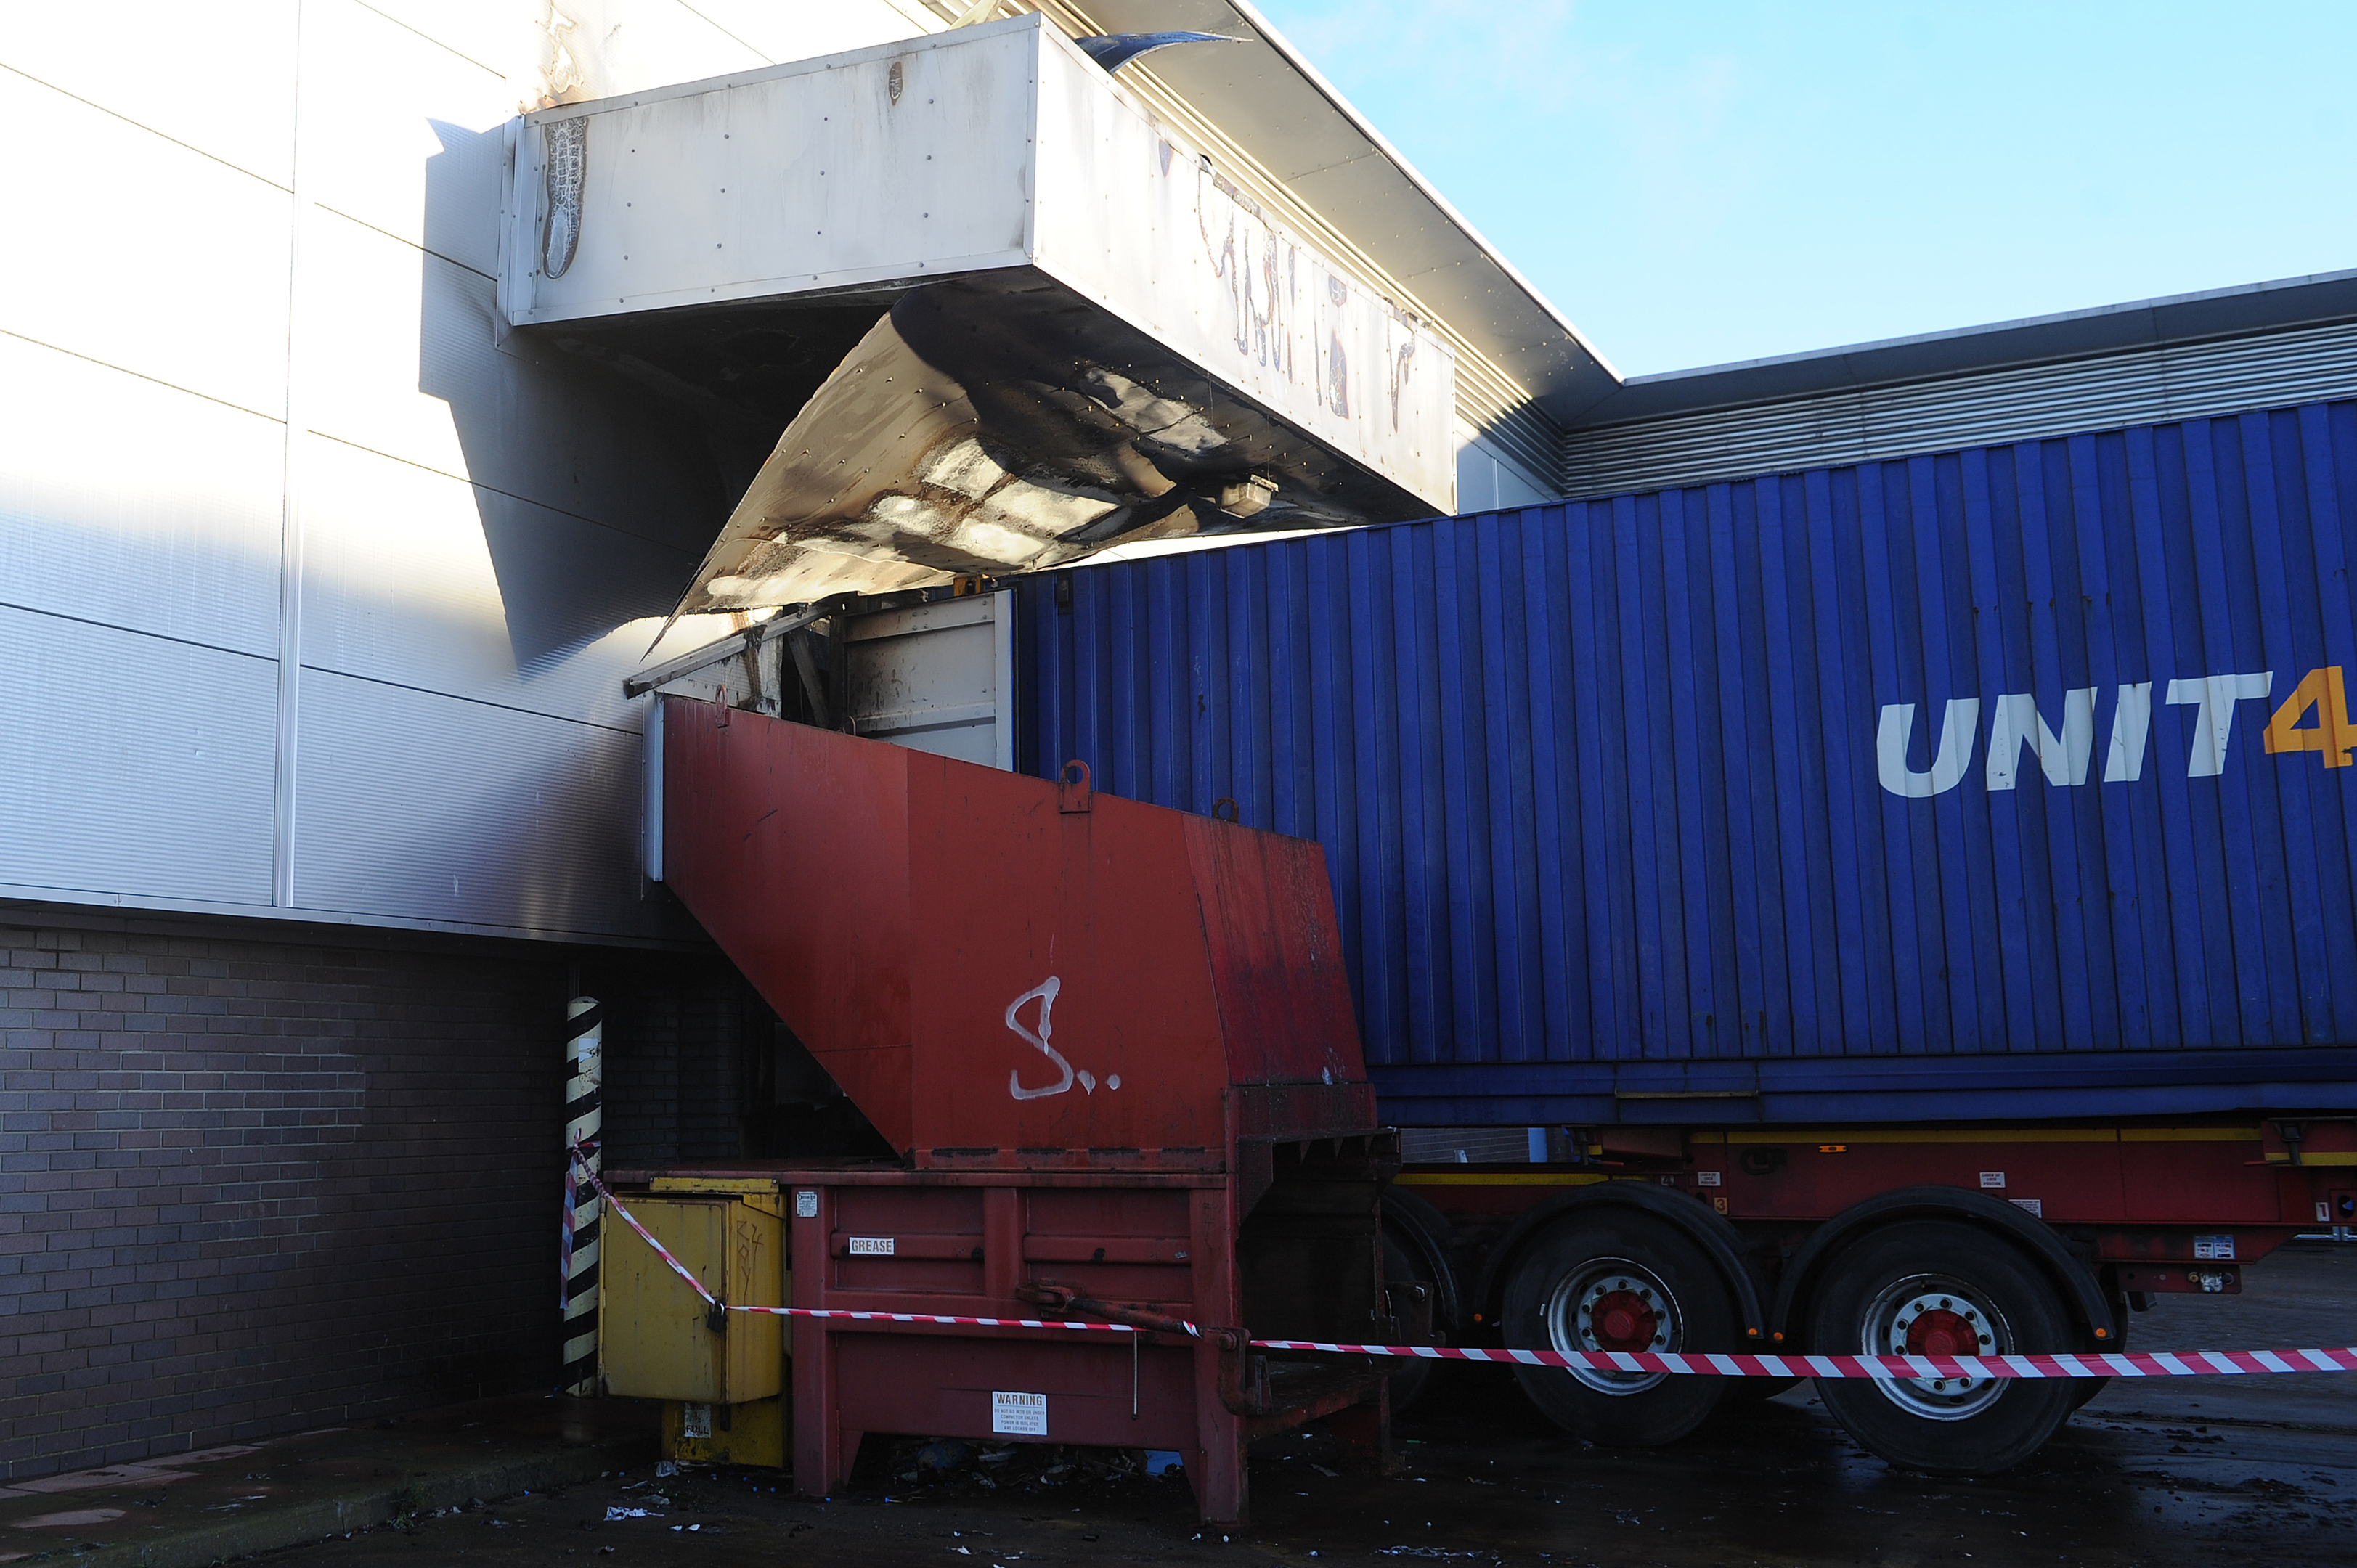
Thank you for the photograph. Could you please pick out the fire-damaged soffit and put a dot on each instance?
(1047, 328)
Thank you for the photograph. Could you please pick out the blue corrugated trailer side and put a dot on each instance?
(2007, 782)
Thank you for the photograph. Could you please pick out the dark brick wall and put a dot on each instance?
(251, 1183)
(686, 1039)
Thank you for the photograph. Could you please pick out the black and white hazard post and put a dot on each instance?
(577, 1270)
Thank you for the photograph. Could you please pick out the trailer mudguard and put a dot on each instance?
(2035, 1237)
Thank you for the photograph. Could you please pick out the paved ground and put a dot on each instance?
(2186, 1471)
(193, 1509)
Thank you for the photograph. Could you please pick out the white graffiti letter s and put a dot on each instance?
(1045, 994)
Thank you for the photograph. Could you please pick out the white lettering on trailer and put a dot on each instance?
(2131, 723)
(1018, 1414)
(2018, 722)
(2064, 756)
(2214, 725)
(1955, 754)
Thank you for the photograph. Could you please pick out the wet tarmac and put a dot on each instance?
(2203, 1471)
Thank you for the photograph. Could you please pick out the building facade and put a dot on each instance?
(321, 787)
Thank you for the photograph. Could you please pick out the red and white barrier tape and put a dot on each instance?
(2087, 1364)
(573, 1168)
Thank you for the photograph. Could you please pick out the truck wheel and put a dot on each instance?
(1412, 1378)
(1940, 1287)
(1618, 1281)
(1416, 1248)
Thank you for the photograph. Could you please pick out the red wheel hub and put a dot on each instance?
(1939, 1332)
(1623, 1320)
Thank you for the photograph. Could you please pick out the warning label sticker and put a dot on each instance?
(2213, 1247)
(870, 1247)
(1018, 1414)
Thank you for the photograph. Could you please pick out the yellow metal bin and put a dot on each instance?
(720, 1376)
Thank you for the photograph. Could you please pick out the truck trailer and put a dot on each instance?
(1895, 906)
(1711, 999)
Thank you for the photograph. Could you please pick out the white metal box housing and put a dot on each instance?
(1000, 173)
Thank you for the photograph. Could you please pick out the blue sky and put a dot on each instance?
(1696, 183)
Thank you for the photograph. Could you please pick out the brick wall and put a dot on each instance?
(685, 1040)
(251, 1183)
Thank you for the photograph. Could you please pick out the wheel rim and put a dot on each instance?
(1613, 1304)
(1932, 1315)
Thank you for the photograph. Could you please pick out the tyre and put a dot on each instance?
(1619, 1280)
(1416, 1239)
(1412, 1378)
(1941, 1287)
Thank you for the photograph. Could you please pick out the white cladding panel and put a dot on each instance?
(889, 162)
(413, 578)
(133, 767)
(1140, 223)
(198, 254)
(174, 530)
(435, 810)
(806, 32)
(431, 173)
(137, 252)
(220, 86)
(418, 377)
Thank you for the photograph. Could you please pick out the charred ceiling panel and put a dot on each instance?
(999, 424)
(1002, 319)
